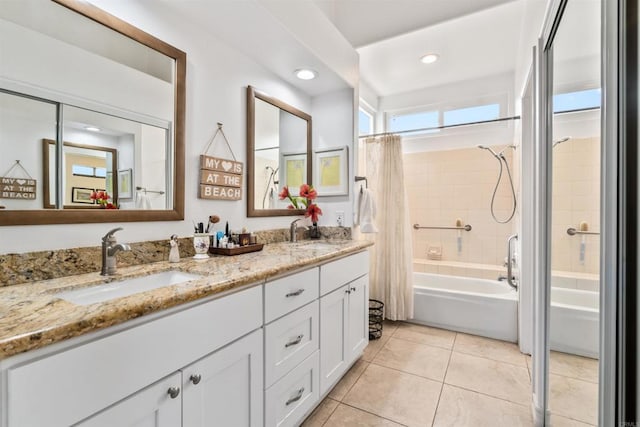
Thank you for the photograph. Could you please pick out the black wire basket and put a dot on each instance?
(376, 316)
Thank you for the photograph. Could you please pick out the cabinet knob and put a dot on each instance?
(294, 294)
(353, 289)
(295, 341)
(348, 291)
(295, 398)
(173, 392)
(195, 378)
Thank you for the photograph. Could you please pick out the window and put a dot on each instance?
(407, 122)
(88, 171)
(471, 114)
(365, 122)
(579, 100)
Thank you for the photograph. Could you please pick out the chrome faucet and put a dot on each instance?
(110, 248)
(293, 235)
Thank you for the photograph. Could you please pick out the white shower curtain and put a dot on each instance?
(391, 275)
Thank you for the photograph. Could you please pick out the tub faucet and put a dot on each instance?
(293, 228)
(110, 247)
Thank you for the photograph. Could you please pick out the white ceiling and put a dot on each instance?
(364, 22)
(472, 46)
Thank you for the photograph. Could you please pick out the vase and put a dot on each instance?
(314, 233)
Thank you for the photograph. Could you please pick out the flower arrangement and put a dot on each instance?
(102, 198)
(305, 200)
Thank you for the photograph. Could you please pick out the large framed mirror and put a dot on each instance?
(116, 93)
(278, 153)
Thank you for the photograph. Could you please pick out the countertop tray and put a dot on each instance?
(236, 251)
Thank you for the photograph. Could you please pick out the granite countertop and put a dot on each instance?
(34, 317)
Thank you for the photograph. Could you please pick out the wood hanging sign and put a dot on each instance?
(220, 179)
(17, 188)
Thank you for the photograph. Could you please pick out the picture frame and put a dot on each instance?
(125, 184)
(330, 171)
(82, 195)
(293, 171)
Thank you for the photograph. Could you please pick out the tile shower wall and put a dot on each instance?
(445, 185)
(576, 198)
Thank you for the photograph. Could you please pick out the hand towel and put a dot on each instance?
(367, 212)
(142, 201)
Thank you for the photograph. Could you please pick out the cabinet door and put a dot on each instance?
(226, 387)
(333, 336)
(358, 321)
(158, 405)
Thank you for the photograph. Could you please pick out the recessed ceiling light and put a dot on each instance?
(305, 74)
(429, 58)
(92, 128)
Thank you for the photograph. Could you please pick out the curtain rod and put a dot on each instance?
(503, 119)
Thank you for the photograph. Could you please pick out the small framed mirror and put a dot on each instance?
(278, 153)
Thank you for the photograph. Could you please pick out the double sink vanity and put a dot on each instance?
(252, 340)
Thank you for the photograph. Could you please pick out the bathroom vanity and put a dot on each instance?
(258, 340)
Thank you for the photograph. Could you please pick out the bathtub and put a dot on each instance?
(477, 306)
(574, 322)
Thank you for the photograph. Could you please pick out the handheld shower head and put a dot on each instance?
(561, 140)
(484, 147)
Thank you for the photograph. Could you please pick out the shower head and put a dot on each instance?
(561, 140)
(484, 147)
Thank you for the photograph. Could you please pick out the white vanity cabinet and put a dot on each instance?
(93, 376)
(344, 327)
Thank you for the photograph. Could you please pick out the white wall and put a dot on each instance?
(217, 76)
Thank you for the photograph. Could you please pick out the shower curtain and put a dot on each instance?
(391, 275)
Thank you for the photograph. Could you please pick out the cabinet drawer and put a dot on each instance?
(286, 294)
(68, 386)
(288, 400)
(337, 273)
(290, 340)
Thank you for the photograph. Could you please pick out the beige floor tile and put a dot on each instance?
(403, 398)
(464, 408)
(558, 421)
(573, 398)
(568, 365)
(349, 379)
(321, 414)
(501, 351)
(389, 327)
(425, 335)
(374, 347)
(419, 359)
(347, 416)
(498, 379)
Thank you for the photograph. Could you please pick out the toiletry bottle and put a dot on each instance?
(174, 252)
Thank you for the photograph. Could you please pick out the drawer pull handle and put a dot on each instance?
(173, 392)
(353, 289)
(297, 397)
(195, 378)
(348, 291)
(295, 293)
(296, 341)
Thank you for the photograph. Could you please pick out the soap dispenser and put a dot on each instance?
(174, 252)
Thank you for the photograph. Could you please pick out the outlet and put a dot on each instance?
(340, 218)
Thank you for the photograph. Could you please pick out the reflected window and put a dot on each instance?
(576, 101)
(421, 120)
(365, 122)
(471, 115)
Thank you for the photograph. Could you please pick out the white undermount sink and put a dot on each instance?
(126, 287)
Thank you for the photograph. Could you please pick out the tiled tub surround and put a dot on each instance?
(34, 317)
(34, 266)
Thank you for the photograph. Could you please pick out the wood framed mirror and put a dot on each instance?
(63, 97)
(278, 153)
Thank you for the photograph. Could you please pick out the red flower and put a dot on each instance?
(290, 207)
(284, 193)
(110, 206)
(94, 195)
(313, 211)
(308, 192)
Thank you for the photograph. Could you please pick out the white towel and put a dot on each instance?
(366, 212)
(142, 201)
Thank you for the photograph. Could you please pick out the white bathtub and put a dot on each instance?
(477, 306)
(574, 322)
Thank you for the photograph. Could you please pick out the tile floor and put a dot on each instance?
(420, 376)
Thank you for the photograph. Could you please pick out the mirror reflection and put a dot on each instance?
(279, 147)
(575, 215)
(119, 102)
